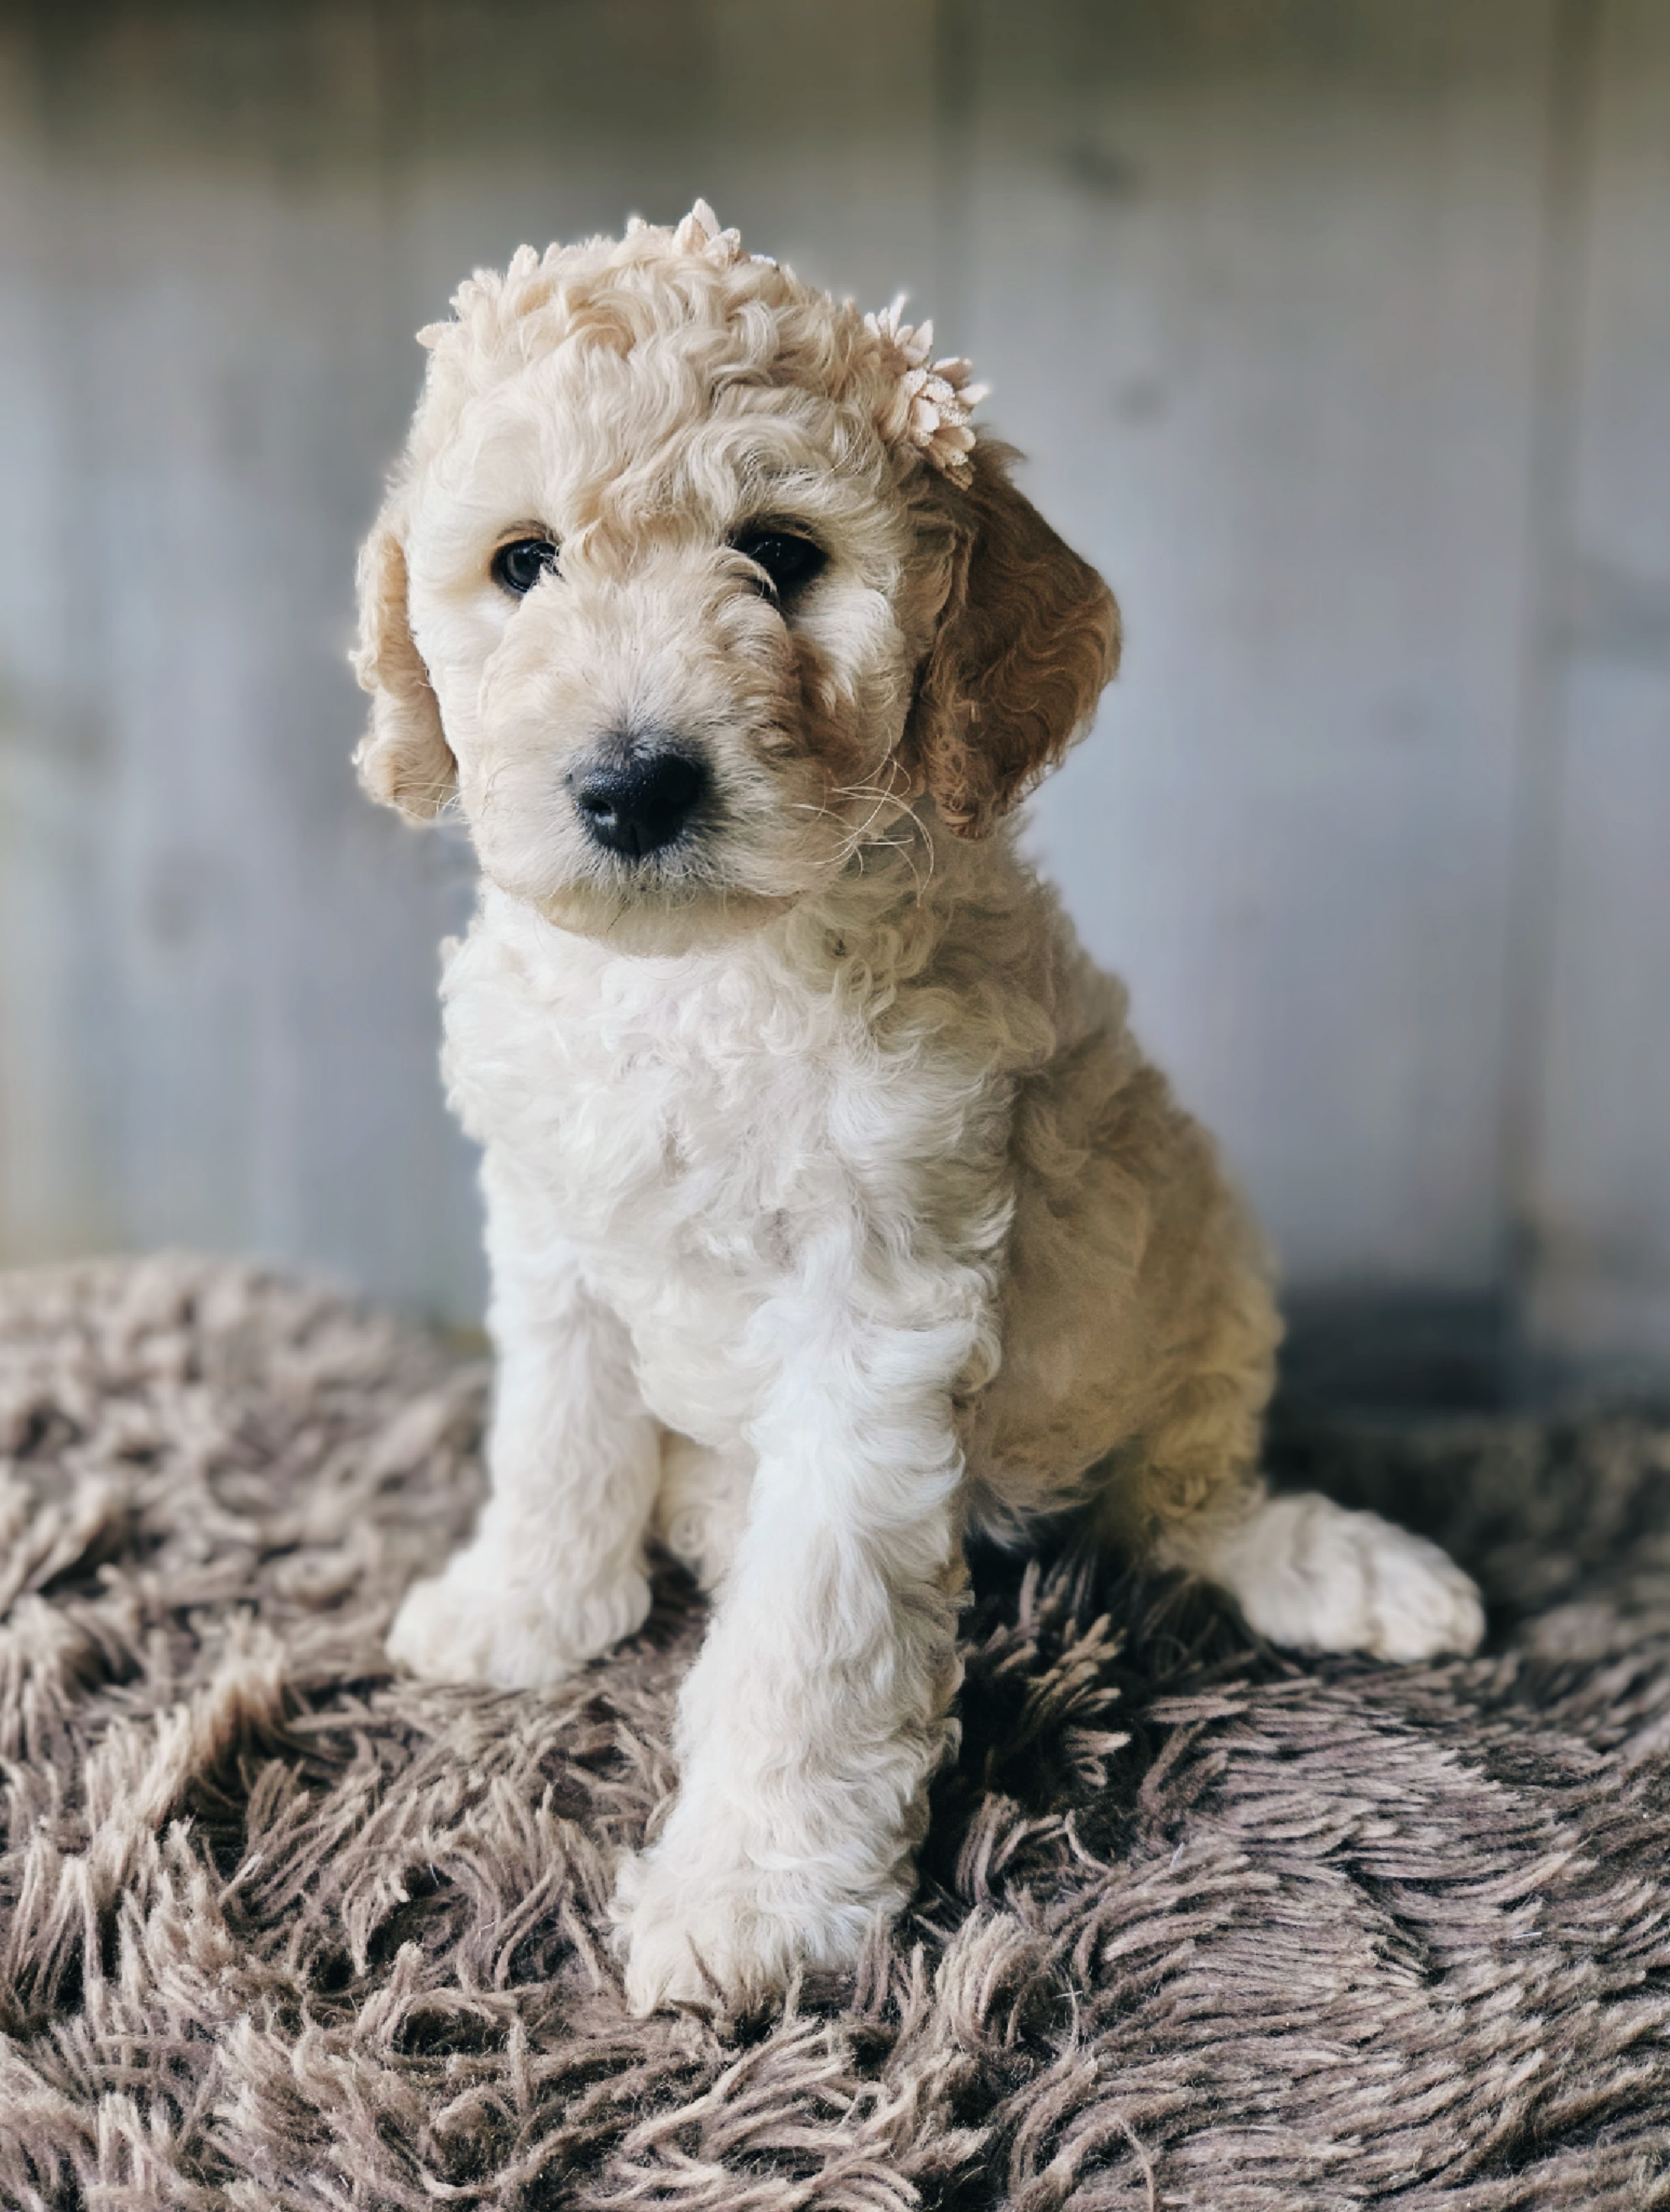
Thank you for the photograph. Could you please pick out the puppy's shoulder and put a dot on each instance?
(1009, 948)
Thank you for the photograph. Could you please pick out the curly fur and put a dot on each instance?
(829, 1204)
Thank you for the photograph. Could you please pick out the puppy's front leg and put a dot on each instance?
(554, 1573)
(818, 1711)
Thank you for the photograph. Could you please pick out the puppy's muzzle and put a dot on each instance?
(637, 797)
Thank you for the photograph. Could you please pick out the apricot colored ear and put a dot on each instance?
(1029, 636)
(404, 758)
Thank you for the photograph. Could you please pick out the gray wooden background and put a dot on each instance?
(1338, 334)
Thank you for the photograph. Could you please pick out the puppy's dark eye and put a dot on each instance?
(789, 561)
(519, 565)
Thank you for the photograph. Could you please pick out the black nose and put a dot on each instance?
(638, 800)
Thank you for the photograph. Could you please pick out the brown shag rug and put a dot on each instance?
(1196, 1926)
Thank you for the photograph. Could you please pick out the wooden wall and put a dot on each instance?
(1338, 334)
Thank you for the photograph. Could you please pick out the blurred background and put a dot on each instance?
(1338, 332)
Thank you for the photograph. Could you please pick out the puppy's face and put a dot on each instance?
(691, 585)
(671, 631)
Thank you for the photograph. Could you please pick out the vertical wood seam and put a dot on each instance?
(1576, 40)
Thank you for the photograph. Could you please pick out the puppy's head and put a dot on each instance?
(694, 579)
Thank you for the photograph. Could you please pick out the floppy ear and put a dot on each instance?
(1028, 636)
(404, 758)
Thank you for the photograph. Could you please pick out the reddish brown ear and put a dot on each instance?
(404, 758)
(1029, 636)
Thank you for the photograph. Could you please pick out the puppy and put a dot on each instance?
(831, 1208)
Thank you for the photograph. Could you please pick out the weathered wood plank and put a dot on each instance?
(1598, 1201)
(1256, 290)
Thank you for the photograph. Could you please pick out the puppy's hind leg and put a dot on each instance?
(1305, 1573)
(1316, 1577)
(702, 1506)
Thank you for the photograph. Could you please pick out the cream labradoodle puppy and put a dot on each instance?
(831, 1208)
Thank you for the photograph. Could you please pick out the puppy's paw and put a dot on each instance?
(470, 1625)
(691, 1934)
(1308, 1574)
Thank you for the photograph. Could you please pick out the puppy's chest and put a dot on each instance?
(711, 1115)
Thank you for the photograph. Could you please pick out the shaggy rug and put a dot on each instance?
(1196, 1926)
